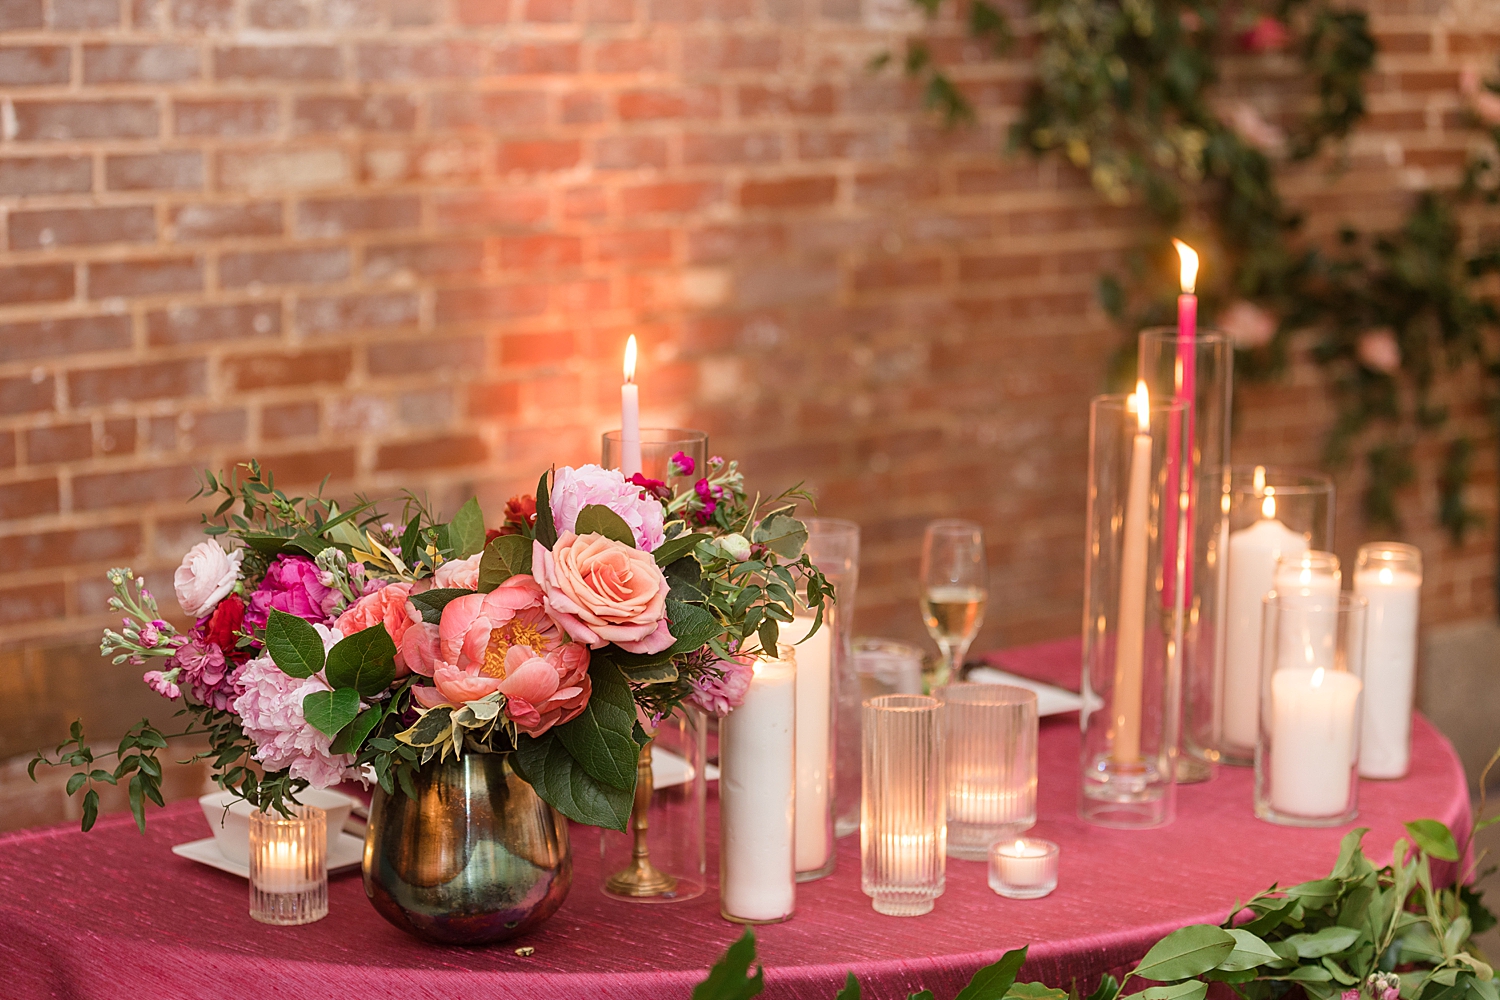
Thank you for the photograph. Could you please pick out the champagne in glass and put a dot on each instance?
(954, 586)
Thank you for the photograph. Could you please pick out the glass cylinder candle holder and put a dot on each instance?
(1307, 756)
(757, 796)
(989, 756)
(1270, 513)
(1024, 868)
(289, 866)
(876, 667)
(1389, 576)
(903, 835)
(1199, 371)
(833, 546)
(658, 445)
(1132, 641)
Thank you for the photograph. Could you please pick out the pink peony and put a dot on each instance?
(461, 573)
(574, 489)
(602, 592)
(541, 690)
(1378, 350)
(721, 688)
(292, 584)
(207, 573)
(387, 606)
(270, 710)
(1248, 325)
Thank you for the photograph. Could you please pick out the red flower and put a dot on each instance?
(220, 628)
(520, 513)
(654, 487)
(1266, 35)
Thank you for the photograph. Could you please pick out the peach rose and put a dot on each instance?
(602, 591)
(541, 690)
(460, 573)
(387, 606)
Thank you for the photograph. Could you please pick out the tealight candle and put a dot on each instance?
(289, 866)
(1023, 869)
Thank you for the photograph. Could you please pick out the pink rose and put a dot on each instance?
(460, 573)
(207, 573)
(1379, 351)
(575, 489)
(1248, 325)
(602, 591)
(387, 606)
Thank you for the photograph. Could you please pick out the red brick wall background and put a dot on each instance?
(402, 242)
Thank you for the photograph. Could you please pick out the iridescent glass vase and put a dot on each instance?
(475, 857)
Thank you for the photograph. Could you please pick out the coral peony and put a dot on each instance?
(270, 710)
(461, 573)
(602, 591)
(292, 584)
(387, 606)
(207, 573)
(541, 690)
(721, 688)
(1248, 325)
(1379, 351)
(575, 489)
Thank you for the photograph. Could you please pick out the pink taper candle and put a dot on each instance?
(1186, 390)
(630, 415)
(1130, 645)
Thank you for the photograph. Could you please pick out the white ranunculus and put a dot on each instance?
(207, 573)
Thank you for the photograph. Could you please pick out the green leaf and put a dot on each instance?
(729, 979)
(90, 809)
(546, 531)
(294, 644)
(364, 661)
(1193, 989)
(1186, 952)
(1317, 893)
(994, 980)
(850, 990)
(599, 738)
(1249, 952)
(685, 577)
(1108, 988)
(674, 549)
(432, 602)
(691, 625)
(921, 995)
(505, 557)
(597, 519)
(563, 783)
(466, 530)
(653, 669)
(1435, 838)
(782, 534)
(1035, 991)
(331, 711)
(1306, 974)
(432, 728)
(352, 735)
(1328, 941)
(76, 781)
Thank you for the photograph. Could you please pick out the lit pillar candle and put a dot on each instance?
(630, 415)
(1312, 740)
(1389, 576)
(1253, 552)
(1125, 701)
(1186, 385)
(1311, 574)
(757, 785)
(814, 711)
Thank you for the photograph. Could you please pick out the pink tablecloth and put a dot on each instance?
(112, 914)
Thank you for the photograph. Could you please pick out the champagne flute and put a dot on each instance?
(954, 587)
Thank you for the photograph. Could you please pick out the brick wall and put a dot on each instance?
(402, 242)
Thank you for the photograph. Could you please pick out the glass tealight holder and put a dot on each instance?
(876, 667)
(658, 445)
(1023, 868)
(1389, 576)
(289, 866)
(989, 755)
(903, 849)
(1307, 756)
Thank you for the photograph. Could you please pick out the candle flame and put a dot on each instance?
(1317, 677)
(1260, 479)
(1386, 576)
(1189, 269)
(1141, 403)
(630, 359)
(1020, 847)
(1268, 507)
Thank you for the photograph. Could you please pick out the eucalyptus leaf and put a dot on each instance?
(562, 782)
(1193, 989)
(364, 661)
(1435, 838)
(1035, 991)
(466, 530)
(505, 557)
(1317, 893)
(1186, 952)
(994, 980)
(432, 602)
(294, 644)
(330, 711)
(597, 519)
(599, 738)
(1108, 988)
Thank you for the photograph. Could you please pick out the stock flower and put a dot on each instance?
(1379, 351)
(460, 573)
(709, 497)
(163, 683)
(721, 687)
(270, 711)
(683, 464)
(207, 573)
(206, 673)
(291, 584)
(575, 489)
(1267, 34)
(1248, 325)
(387, 606)
(520, 513)
(151, 633)
(602, 591)
(652, 487)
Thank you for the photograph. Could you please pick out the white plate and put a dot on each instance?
(1050, 699)
(668, 769)
(344, 853)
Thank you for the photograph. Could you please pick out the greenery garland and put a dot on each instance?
(1124, 91)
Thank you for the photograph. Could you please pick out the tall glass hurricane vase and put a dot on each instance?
(1132, 638)
(1197, 371)
(662, 856)
(955, 585)
(903, 836)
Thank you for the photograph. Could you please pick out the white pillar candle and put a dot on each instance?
(1312, 741)
(757, 785)
(814, 712)
(630, 415)
(1314, 575)
(1393, 591)
(1253, 552)
(1125, 699)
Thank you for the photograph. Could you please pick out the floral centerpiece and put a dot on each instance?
(335, 644)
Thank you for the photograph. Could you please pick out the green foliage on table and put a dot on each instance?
(1126, 91)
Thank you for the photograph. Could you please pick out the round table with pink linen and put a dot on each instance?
(114, 914)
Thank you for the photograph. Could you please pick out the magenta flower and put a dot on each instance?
(682, 464)
(292, 584)
(651, 487)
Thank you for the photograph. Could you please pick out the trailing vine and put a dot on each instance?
(1125, 90)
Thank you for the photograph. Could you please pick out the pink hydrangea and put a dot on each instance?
(574, 489)
(721, 688)
(270, 710)
(292, 584)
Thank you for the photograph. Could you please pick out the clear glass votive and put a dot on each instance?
(1389, 576)
(658, 445)
(902, 833)
(1025, 868)
(1307, 756)
(289, 866)
(876, 667)
(989, 756)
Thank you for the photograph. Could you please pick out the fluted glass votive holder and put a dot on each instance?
(289, 866)
(902, 830)
(1024, 868)
(989, 754)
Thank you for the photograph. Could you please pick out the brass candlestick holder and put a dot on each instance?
(642, 878)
